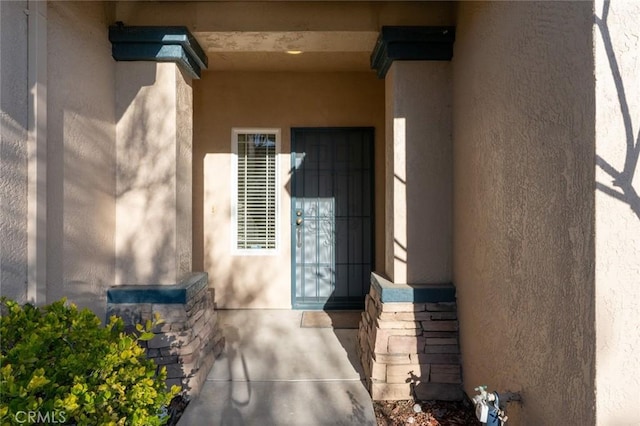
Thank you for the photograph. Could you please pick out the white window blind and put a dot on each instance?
(256, 189)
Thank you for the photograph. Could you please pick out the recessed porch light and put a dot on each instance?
(294, 52)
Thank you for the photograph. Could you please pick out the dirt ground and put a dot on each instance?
(429, 413)
(391, 413)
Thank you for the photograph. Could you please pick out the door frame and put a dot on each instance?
(294, 130)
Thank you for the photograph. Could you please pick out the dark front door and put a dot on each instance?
(332, 216)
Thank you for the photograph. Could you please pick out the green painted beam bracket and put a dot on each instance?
(158, 44)
(396, 43)
(159, 293)
(412, 293)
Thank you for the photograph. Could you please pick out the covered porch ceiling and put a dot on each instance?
(285, 35)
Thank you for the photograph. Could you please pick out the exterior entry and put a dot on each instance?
(332, 217)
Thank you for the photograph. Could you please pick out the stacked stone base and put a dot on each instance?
(189, 339)
(409, 349)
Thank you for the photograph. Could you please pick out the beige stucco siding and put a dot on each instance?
(153, 201)
(13, 149)
(418, 177)
(617, 257)
(268, 100)
(523, 205)
(81, 154)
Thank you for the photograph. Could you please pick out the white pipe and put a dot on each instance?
(37, 153)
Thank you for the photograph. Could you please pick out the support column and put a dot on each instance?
(154, 132)
(415, 64)
(408, 337)
(154, 139)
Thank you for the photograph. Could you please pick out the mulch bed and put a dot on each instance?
(390, 413)
(430, 413)
(176, 408)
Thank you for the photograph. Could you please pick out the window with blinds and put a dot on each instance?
(256, 198)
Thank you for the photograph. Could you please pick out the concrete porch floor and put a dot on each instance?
(275, 372)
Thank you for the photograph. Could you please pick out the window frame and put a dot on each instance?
(235, 132)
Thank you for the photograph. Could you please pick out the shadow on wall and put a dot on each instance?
(236, 278)
(235, 293)
(13, 223)
(13, 151)
(80, 162)
(621, 187)
(332, 190)
(80, 223)
(145, 189)
(80, 155)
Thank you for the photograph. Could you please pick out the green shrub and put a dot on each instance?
(59, 365)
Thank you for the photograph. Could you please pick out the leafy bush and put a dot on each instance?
(59, 365)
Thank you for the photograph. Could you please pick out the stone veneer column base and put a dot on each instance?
(189, 340)
(408, 342)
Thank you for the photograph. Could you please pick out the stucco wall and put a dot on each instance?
(418, 172)
(523, 205)
(617, 258)
(224, 100)
(81, 154)
(154, 150)
(13, 149)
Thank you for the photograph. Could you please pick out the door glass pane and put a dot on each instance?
(310, 240)
(325, 281)
(299, 281)
(310, 281)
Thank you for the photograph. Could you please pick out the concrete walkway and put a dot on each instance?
(275, 372)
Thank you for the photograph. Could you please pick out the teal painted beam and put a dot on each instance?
(411, 44)
(158, 293)
(158, 44)
(412, 293)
